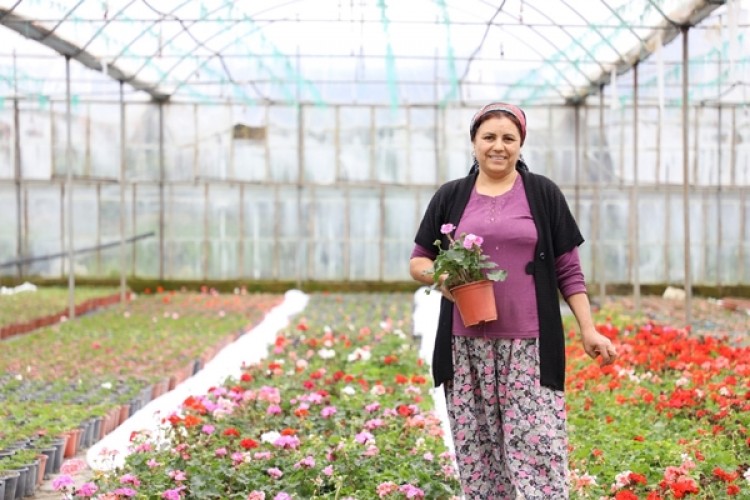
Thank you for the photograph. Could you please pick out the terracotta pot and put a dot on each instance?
(475, 302)
(42, 467)
(124, 413)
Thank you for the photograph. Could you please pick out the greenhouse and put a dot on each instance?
(180, 178)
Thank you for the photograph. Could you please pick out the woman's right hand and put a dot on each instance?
(444, 289)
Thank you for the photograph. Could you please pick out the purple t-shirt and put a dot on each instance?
(510, 238)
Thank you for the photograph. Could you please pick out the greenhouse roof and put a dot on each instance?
(346, 51)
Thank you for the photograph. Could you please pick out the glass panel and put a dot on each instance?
(7, 140)
(355, 138)
(45, 226)
(9, 221)
(320, 142)
(364, 228)
(260, 223)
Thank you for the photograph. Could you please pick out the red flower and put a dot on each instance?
(733, 489)
(626, 495)
(248, 443)
(288, 432)
(302, 327)
(639, 438)
(636, 478)
(404, 411)
(725, 476)
(231, 432)
(401, 379)
(192, 421)
(246, 377)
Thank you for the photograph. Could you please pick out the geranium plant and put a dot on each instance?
(463, 261)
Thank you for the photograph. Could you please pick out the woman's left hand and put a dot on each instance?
(595, 344)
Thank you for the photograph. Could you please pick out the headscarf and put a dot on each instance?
(504, 107)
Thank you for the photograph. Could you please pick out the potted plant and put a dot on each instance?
(468, 275)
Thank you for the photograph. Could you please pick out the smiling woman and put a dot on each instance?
(523, 218)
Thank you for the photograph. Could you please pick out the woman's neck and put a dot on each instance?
(491, 186)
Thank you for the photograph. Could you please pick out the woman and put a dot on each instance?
(504, 379)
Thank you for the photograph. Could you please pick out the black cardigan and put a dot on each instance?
(557, 233)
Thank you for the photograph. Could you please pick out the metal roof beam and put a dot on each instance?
(668, 30)
(45, 36)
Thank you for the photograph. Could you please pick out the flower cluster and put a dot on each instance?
(463, 261)
(302, 425)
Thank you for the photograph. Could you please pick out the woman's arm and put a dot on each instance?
(594, 343)
(420, 269)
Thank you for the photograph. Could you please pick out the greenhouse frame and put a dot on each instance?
(301, 141)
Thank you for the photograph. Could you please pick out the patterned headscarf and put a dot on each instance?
(512, 110)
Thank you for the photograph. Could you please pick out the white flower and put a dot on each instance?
(747, 476)
(326, 353)
(349, 390)
(270, 437)
(359, 354)
(19, 377)
(682, 381)
(107, 385)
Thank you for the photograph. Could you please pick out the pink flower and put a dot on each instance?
(374, 423)
(411, 491)
(372, 407)
(428, 456)
(306, 463)
(328, 411)
(220, 452)
(287, 442)
(447, 228)
(173, 494)
(273, 410)
(87, 490)
(364, 437)
(62, 481)
(130, 479)
(282, 496)
(177, 475)
(256, 495)
(208, 429)
(471, 240)
(385, 489)
(125, 492)
(152, 463)
(328, 471)
(275, 472)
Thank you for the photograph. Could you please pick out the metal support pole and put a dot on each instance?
(17, 174)
(685, 178)
(577, 159)
(635, 230)
(162, 204)
(69, 193)
(302, 240)
(123, 163)
(599, 182)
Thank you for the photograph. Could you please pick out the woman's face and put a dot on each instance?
(497, 145)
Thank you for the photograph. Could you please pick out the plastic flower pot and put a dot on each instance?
(475, 302)
(11, 481)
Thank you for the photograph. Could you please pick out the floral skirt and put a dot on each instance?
(509, 432)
